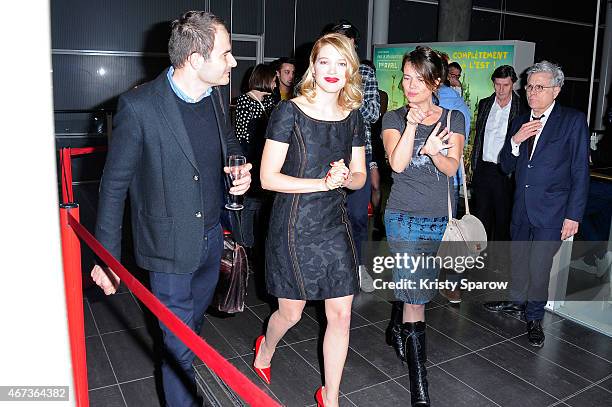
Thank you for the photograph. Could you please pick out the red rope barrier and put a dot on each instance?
(71, 258)
(248, 391)
(86, 150)
(65, 156)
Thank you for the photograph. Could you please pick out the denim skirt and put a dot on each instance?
(414, 237)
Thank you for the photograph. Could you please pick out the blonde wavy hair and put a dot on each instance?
(351, 96)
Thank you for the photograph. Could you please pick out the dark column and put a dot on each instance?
(454, 17)
(380, 22)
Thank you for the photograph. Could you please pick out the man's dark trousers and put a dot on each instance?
(492, 200)
(492, 204)
(357, 206)
(188, 296)
(533, 250)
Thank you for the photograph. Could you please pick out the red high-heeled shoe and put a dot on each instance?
(319, 397)
(264, 372)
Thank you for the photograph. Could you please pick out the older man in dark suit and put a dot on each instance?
(492, 189)
(548, 154)
(169, 145)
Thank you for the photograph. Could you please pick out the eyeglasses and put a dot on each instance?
(537, 88)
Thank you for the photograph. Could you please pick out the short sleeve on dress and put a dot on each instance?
(281, 122)
(358, 129)
(457, 122)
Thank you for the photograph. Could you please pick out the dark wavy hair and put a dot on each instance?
(430, 64)
(262, 77)
(504, 71)
(455, 65)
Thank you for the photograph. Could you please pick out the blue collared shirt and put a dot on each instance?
(449, 99)
(182, 95)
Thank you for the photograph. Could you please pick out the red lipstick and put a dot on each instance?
(331, 80)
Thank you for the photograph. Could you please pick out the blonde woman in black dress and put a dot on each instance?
(314, 151)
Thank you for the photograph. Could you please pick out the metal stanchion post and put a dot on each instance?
(71, 255)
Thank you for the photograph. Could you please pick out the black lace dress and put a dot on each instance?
(310, 253)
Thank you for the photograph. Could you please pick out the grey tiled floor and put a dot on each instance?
(475, 358)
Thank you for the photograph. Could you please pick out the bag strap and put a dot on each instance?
(465, 197)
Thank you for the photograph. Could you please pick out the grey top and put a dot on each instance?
(420, 190)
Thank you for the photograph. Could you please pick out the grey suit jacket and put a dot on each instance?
(150, 156)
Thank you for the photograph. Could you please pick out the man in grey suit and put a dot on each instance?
(168, 150)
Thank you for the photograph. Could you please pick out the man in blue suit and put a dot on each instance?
(168, 150)
(548, 153)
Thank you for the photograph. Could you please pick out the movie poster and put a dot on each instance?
(478, 63)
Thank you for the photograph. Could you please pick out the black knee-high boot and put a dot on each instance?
(393, 332)
(413, 335)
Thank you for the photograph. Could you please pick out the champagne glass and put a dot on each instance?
(235, 164)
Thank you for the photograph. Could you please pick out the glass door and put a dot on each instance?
(248, 51)
(580, 281)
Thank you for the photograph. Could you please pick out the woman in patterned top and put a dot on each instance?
(252, 112)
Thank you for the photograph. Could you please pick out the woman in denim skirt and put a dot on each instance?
(423, 153)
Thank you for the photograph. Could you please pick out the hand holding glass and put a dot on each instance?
(235, 164)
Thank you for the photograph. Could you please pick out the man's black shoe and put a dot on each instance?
(505, 306)
(535, 334)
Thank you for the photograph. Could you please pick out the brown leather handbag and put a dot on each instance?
(230, 293)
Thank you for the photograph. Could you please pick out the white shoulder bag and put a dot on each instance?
(465, 237)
